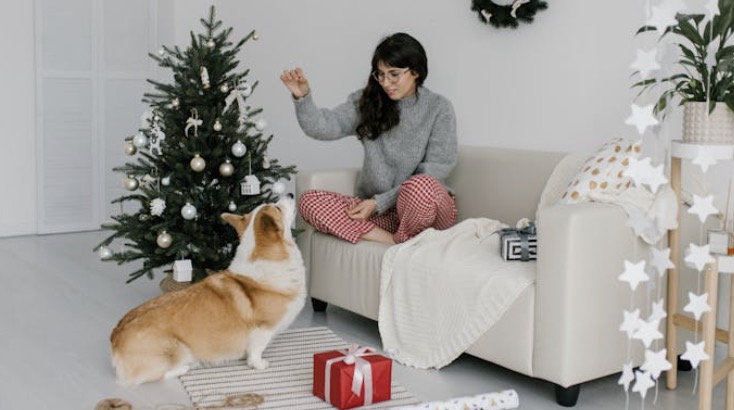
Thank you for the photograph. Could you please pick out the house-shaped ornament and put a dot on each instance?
(182, 270)
(250, 186)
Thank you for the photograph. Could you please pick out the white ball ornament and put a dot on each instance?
(260, 124)
(164, 240)
(130, 183)
(278, 188)
(104, 253)
(217, 125)
(197, 163)
(226, 169)
(239, 149)
(130, 148)
(232, 206)
(175, 103)
(266, 162)
(140, 140)
(161, 51)
(256, 36)
(166, 181)
(188, 211)
(211, 43)
(224, 88)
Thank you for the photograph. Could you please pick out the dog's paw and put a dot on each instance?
(257, 363)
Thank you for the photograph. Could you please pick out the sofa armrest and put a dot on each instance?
(338, 180)
(579, 299)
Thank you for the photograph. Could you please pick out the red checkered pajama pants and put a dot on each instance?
(423, 203)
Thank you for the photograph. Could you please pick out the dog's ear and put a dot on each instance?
(239, 223)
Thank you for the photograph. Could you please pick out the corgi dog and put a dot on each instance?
(231, 314)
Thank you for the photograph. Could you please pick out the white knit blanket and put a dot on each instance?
(441, 290)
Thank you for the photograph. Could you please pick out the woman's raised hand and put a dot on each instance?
(296, 82)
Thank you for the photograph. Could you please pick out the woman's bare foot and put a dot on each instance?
(378, 234)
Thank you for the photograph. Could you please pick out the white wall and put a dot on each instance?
(560, 83)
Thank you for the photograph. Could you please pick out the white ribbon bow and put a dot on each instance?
(362, 371)
(193, 122)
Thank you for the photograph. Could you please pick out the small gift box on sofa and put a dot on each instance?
(520, 243)
(351, 377)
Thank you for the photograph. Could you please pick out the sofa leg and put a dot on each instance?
(567, 396)
(318, 305)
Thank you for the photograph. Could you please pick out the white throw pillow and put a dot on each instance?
(603, 172)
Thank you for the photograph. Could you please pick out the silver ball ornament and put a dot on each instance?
(224, 88)
(260, 124)
(130, 148)
(232, 206)
(239, 149)
(165, 181)
(164, 240)
(255, 36)
(197, 163)
(175, 103)
(130, 183)
(104, 253)
(226, 169)
(278, 188)
(188, 211)
(211, 43)
(140, 140)
(217, 125)
(161, 51)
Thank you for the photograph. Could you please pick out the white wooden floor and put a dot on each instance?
(59, 302)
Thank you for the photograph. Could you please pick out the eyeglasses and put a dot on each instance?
(391, 76)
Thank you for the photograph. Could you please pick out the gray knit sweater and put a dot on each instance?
(424, 142)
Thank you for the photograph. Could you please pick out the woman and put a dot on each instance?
(408, 134)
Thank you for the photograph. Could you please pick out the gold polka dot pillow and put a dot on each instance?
(603, 172)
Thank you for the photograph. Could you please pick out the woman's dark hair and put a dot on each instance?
(378, 113)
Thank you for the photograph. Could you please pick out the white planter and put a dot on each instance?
(700, 127)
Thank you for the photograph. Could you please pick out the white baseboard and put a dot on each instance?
(21, 229)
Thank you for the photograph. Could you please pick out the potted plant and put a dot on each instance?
(703, 76)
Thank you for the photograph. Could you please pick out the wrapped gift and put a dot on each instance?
(356, 376)
(519, 244)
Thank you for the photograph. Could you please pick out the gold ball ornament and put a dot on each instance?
(211, 43)
(217, 125)
(197, 163)
(255, 36)
(130, 183)
(130, 148)
(224, 88)
(164, 240)
(226, 169)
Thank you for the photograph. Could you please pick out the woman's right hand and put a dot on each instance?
(296, 82)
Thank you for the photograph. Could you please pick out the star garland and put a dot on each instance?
(507, 15)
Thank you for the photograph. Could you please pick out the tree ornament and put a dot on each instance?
(232, 206)
(211, 43)
(130, 148)
(104, 252)
(197, 163)
(250, 186)
(226, 169)
(217, 126)
(255, 36)
(157, 206)
(246, 89)
(188, 211)
(166, 181)
(224, 88)
(278, 188)
(260, 124)
(204, 73)
(239, 149)
(164, 240)
(266, 162)
(193, 121)
(140, 140)
(507, 15)
(175, 103)
(161, 51)
(130, 183)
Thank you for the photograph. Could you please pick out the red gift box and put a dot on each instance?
(351, 377)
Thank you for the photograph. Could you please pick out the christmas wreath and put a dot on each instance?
(507, 15)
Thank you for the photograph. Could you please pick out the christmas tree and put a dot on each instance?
(201, 153)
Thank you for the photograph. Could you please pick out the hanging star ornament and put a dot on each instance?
(660, 260)
(705, 158)
(656, 363)
(642, 117)
(697, 304)
(627, 376)
(646, 63)
(655, 178)
(662, 17)
(695, 353)
(648, 332)
(638, 169)
(641, 223)
(631, 322)
(703, 207)
(698, 256)
(658, 311)
(712, 9)
(643, 382)
(634, 273)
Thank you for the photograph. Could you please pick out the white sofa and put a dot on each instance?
(565, 327)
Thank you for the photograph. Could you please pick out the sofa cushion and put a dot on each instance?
(603, 172)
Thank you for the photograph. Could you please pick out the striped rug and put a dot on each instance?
(286, 384)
